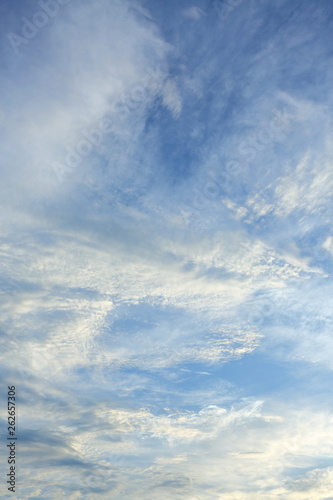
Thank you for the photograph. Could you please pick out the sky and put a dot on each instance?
(167, 248)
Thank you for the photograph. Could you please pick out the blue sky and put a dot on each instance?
(167, 248)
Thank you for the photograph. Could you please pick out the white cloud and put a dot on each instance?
(244, 451)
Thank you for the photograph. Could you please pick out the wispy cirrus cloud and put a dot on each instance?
(181, 245)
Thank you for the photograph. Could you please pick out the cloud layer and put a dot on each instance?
(165, 235)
